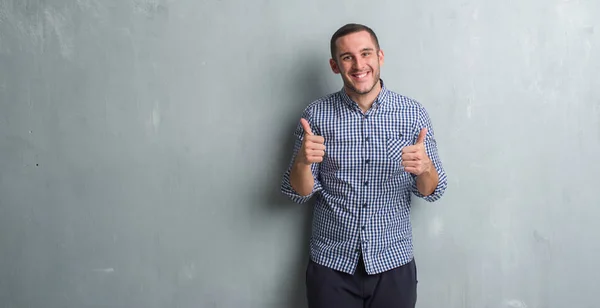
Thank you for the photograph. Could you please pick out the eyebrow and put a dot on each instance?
(364, 49)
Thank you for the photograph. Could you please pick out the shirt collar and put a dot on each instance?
(379, 100)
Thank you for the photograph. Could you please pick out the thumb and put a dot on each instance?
(306, 126)
(422, 135)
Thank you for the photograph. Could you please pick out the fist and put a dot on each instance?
(313, 147)
(414, 157)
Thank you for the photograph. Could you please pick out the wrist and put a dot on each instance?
(302, 166)
(427, 171)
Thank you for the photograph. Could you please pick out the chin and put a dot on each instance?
(363, 88)
(362, 91)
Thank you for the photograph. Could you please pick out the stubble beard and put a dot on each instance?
(357, 91)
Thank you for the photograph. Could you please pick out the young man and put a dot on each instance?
(361, 152)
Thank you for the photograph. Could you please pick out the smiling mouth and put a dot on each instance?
(360, 75)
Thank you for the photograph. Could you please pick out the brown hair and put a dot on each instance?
(348, 29)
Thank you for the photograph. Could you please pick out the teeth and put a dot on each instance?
(361, 75)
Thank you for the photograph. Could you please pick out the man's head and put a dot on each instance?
(357, 57)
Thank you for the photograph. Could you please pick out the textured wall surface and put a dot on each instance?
(142, 144)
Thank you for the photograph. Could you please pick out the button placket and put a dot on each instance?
(366, 140)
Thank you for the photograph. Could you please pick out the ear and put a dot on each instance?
(334, 66)
(380, 56)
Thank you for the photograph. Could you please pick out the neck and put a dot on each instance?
(365, 101)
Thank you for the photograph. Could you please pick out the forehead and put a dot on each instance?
(354, 42)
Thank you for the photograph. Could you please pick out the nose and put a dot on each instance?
(358, 63)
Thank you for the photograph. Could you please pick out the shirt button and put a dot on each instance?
(367, 138)
(366, 183)
(367, 161)
(363, 228)
(365, 205)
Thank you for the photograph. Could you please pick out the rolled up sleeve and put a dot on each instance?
(286, 186)
(432, 151)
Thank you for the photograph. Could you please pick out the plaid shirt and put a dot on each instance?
(363, 196)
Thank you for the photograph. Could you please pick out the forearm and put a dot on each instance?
(301, 179)
(428, 181)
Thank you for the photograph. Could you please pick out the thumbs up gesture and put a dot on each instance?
(414, 157)
(313, 147)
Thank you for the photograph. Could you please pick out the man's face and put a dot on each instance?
(358, 62)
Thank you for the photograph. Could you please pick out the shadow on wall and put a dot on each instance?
(304, 87)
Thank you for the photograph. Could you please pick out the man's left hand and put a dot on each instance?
(414, 157)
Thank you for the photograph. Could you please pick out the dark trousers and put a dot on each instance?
(327, 288)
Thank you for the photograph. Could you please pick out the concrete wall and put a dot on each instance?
(142, 144)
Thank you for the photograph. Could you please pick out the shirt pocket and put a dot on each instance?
(395, 141)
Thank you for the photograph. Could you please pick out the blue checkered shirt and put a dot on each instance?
(363, 196)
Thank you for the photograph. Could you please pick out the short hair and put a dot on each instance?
(348, 29)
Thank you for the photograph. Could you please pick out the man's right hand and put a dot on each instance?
(311, 151)
(313, 147)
